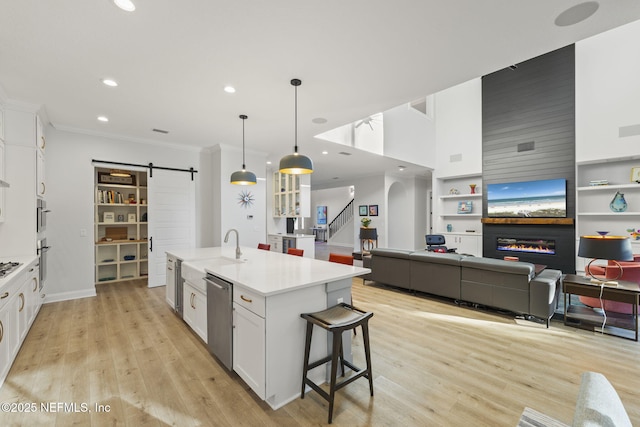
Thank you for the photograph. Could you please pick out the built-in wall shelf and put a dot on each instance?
(462, 196)
(627, 213)
(529, 221)
(609, 187)
(461, 216)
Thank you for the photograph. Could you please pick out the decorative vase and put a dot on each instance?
(618, 204)
(473, 188)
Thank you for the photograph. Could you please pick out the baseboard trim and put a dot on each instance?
(67, 296)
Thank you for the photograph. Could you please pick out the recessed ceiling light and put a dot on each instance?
(103, 119)
(319, 120)
(110, 82)
(230, 89)
(325, 152)
(268, 163)
(401, 168)
(126, 5)
(577, 13)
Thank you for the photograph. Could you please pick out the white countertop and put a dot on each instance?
(23, 260)
(186, 254)
(270, 273)
(293, 235)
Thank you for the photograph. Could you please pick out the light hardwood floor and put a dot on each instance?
(434, 364)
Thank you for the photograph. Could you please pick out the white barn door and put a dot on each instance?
(171, 218)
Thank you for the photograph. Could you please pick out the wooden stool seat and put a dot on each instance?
(336, 320)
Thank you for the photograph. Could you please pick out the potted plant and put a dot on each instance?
(365, 222)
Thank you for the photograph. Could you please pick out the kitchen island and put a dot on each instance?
(269, 292)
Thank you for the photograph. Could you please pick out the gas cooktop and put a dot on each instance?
(7, 267)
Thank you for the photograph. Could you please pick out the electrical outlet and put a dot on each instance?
(340, 300)
(83, 232)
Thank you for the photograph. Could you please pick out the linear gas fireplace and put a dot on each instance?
(528, 245)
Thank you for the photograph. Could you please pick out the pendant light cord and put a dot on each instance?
(295, 149)
(243, 117)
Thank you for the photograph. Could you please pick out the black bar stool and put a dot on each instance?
(337, 319)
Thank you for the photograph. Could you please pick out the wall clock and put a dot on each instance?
(245, 199)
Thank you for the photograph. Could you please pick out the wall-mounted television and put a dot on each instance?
(529, 199)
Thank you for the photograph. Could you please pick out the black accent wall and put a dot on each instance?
(528, 133)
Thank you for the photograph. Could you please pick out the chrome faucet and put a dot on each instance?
(226, 239)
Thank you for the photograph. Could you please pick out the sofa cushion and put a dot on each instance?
(436, 257)
(391, 253)
(499, 265)
(598, 403)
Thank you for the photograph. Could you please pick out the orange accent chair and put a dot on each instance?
(295, 251)
(630, 273)
(264, 246)
(341, 259)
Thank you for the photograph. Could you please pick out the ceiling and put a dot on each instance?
(172, 60)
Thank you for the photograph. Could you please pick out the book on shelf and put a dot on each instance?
(597, 182)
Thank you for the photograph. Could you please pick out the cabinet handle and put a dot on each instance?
(35, 284)
(192, 303)
(6, 294)
(21, 296)
(44, 188)
(1, 331)
(44, 142)
(243, 298)
(169, 268)
(42, 295)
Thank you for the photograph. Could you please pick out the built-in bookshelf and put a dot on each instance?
(120, 226)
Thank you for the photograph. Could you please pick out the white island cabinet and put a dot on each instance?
(270, 291)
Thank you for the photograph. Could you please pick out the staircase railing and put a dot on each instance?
(341, 219)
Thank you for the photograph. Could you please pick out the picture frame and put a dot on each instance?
(373, 210)
(131, 217)
(321, 215)
(109, 217)
(363, 209)
(106, 178)
(635, 175)
(120, 218)
(465, 207)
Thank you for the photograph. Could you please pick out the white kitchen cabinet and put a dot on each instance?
(6, 359)
(32, 292)
(194, 310)
(2, 169)
(275, 241)
(249, 348)
(40, 138)
(41, 185)
(291, 195)
(1, 123)
(171, 281)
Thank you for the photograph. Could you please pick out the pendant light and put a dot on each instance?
(296, 164)
(243, 177)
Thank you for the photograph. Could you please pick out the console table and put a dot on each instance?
(578, 315)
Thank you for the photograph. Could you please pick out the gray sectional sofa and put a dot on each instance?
(506, 285)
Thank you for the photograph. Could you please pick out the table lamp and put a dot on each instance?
(611, 248)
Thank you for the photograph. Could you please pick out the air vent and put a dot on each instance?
(632, 130)
(161, 131)
(526, 146)
(344, 153)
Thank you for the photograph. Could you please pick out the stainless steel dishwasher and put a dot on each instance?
(220, 319)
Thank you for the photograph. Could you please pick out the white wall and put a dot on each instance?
(371, 191)
(335, 199)
(608, 94)
(248, 220)
(459, 130)
(70, 178)
(409, 136)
